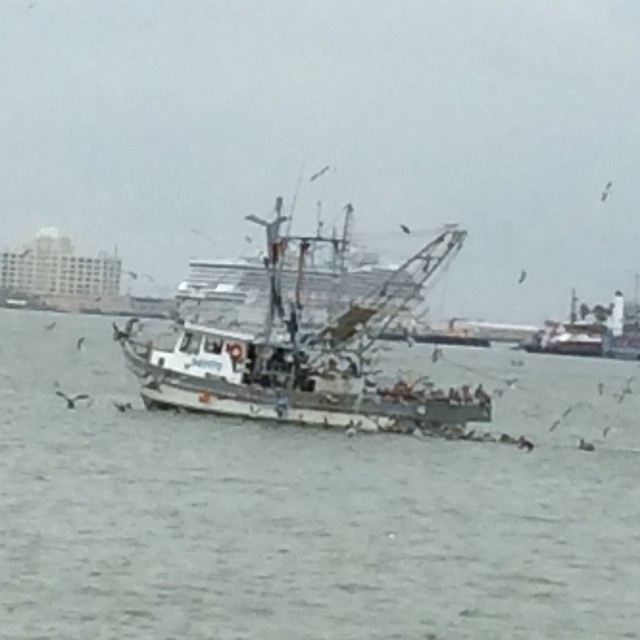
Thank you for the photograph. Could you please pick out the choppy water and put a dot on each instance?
(144, 525)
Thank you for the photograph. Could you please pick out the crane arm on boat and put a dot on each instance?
(381, 305)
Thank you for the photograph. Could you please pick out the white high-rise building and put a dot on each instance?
(49, 267)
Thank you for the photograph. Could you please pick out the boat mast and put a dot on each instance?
(319, 226)
(346, 236)
(273, 264)
(339, 265)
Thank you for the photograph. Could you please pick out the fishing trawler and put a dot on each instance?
(320, 379)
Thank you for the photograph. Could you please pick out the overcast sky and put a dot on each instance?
(130, 122)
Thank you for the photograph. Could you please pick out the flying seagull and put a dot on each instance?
(405, 229)
(118, 333)
(71, 402)
(523, 276)
(131, 322)
(566, 412)
(25, 253)
(605, 193)
(322, 171)
(80, 343)
(50, 326)
(563, 415)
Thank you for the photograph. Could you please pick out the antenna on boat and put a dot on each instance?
(319, 223)
(319, 226)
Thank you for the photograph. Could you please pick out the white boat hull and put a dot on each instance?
(166, 397)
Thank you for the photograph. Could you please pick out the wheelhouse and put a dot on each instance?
(207, 352)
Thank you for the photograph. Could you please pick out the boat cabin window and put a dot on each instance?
(213, 345)
(190, 343)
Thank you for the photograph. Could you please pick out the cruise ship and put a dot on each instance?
(238, 290)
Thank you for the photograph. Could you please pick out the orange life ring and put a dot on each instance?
(204, 397)
(234, 350)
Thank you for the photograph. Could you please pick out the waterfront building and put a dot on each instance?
(49, 267)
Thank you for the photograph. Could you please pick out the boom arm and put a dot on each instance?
(382, 305)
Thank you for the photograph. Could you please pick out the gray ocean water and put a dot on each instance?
(149, 525)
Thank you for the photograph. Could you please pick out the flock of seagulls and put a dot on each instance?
(72, 401)
(583, 445)
(512, 383)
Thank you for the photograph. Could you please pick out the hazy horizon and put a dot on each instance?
(131, 124)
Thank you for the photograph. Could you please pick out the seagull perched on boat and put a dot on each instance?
(405, 229)
(523, 276)
(605, 192)
(71, 402)
(320, 173)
